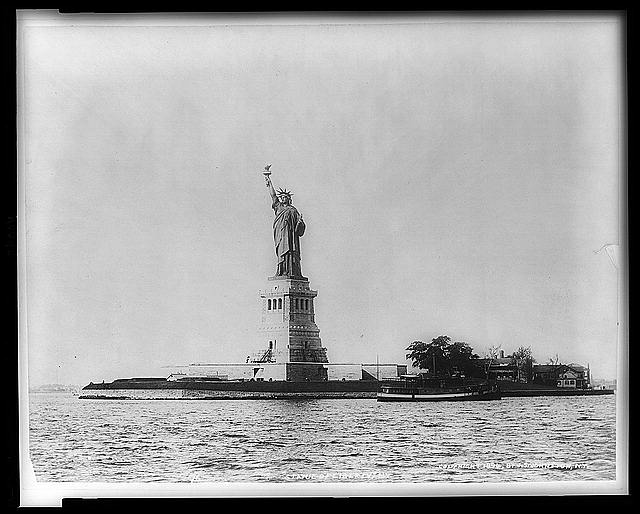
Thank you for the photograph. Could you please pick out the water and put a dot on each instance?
(361, 440)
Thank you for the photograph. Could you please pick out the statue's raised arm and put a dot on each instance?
(267, 179)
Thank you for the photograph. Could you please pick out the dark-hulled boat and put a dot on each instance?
(426, 388)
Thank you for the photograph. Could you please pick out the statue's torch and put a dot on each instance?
(266, 173)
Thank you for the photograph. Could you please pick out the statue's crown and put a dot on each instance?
(284, 192)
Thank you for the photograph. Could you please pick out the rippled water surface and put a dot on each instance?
(514, 439)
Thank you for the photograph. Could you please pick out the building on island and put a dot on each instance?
(510, 369)
(506, 368)
(573, 376)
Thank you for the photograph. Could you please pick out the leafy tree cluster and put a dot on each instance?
(443, 357)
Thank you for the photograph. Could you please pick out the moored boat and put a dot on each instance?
(425, 388)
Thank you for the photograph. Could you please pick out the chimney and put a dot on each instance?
(502, 354)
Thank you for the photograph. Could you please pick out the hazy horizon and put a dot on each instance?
(456, 178)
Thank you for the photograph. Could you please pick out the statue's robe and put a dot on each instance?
(287, 229)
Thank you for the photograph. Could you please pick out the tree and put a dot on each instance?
(523, 359)
(490, 355)
(555, 360)
(442, 356)
(523, 353)
(494, 352)
(431, 356)
(461, 358)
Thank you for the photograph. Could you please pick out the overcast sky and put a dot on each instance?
(455, 177)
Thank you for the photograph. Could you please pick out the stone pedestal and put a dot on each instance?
(288, 328)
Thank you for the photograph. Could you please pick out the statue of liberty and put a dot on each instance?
(288, 227)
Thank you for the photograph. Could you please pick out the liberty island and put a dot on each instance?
(292, 362)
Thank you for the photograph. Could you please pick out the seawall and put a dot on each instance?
(186, 394)
(556, 392)
(162, 389)
(517, 389)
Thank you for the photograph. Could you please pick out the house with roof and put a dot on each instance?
(502, 369)
(571, 376)
(505, 368)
